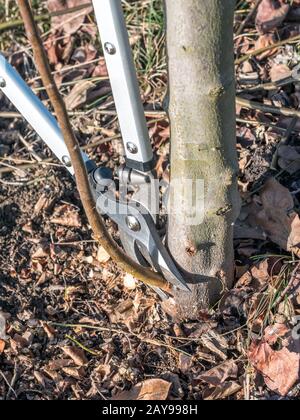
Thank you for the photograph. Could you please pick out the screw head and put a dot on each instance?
(133, 223)
(66, 161)
(110, 48)
(132, 148)
(2, 82)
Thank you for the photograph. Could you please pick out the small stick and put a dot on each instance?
(287, 112)
(268, 48)
(248, 18)
(30, 148)
(93, 353)
(13, 24)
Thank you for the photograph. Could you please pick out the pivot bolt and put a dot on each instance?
(2, 82)
(66, 161)
(110, 48)
(133, 223)
(132, 148)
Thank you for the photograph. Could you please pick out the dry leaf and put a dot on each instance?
(78, 95)
(220, 374)
(265, 41)
(273, 212)
(150, 390)
(77, 355)
(279, 72)
(222, 391)
(102, 256)
(74, 372)
(71, 22)
(3, 335)
(2, 346)
(279, 368)
(289, 159)
(270, 14)
(66, 216)
(129, 282)
(221, 381)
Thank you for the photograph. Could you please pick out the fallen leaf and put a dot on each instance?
(273, 211)
(150, 390)
(223, 391)
(185, 363)
(279, 72)
(3, 335)
(77, 355)
(129, 282)
(274, 332)
(270, 14)
(66, 216)
(219, 374)
(2, 346)
(78, 95)
(289, 158)
(71, 22)
(74, 372)
(102, 256)
(264, 41)
(279, 368)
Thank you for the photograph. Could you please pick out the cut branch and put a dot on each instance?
(97, 224)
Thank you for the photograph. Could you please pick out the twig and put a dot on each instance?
(30, 148)
(96, 222)
(142, 338)
(287, 290)
(8, 384)
(15, 23)
(287, 112)
(19, 168)
(93, 353)
(13, 382)
(248, 18)
(268, 48)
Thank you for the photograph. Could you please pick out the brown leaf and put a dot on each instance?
(102, 256)
(71, 22)
(289, 159)
(78, 95)
(220, 374)
(270, 14)
(280, 369)
(150, 390)
(77, 355)
(279, 72)
(2, 346)
(265, 41)
(74, 372)
(273, 212)
(222, 391)
(66, 216)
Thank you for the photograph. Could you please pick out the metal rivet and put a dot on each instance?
(132, 148)
(2, 82)
(133, 223)
(66, 161)
(110, 48)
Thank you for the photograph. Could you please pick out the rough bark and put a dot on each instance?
(203, 145)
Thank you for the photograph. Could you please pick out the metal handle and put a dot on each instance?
(123, 78)
(33, 110)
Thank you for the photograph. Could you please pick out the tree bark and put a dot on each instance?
(203, 147)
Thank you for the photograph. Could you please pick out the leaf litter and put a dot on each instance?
(75, 326)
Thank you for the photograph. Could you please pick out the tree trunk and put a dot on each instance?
(203, 147)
